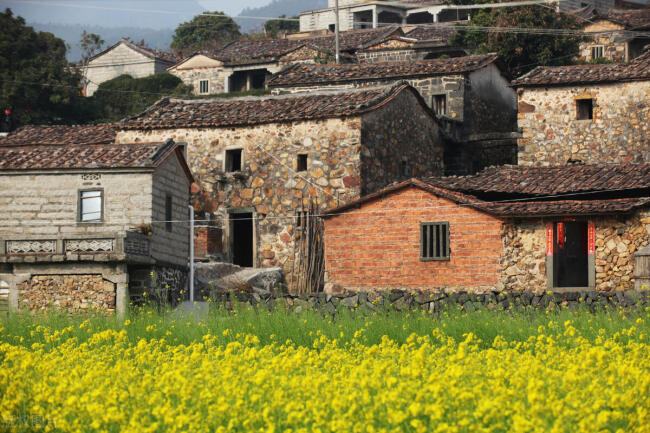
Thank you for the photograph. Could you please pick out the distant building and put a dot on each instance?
(123, 58)
(362, 14)
(470, 95)
(569, 228)
(85, 226)
(620, 35)
(265, 163)
(585, 113)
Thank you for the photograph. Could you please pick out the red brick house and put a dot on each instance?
(506, 228)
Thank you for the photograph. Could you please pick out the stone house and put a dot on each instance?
(262, 163)
(470, 95)
(586, 113)
(123, 58)
(569, 228)
(363, 14)
(85, 226)
(247, 64)
(619, 35)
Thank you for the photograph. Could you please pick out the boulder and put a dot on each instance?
(225, 277)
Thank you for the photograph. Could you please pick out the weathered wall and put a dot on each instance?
(524, 257)
(216, 78)
(378, 246)
(618, 133)
(614, 44)
(268, 183)
(120, 61)
(68, 292)
(396, 135)
(170, 246)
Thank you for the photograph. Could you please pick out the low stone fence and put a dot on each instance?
(434, 302)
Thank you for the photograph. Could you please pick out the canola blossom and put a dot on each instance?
(549, 382)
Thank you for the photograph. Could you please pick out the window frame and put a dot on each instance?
(601, 48)
(446, 254)
(207, 85)
(241, 159)
(80, 205)
(579, 102)
(434, 103)
(302, 157)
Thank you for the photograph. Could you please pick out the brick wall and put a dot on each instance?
(377, 246)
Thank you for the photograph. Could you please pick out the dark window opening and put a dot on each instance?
(169, 214)
(332, 27)
(439, 104)
(362, 20)
(597, 52)
(233, 160)
(584, 109)
(241, 229)
(301, 162)
(90, 206)
(420, 18)
(388, 18)
(405, 168)
(242, 81)
(434, 241)
(570, 257)
(301, 219)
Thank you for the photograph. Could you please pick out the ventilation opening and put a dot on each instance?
(233, 160)
(301, 163)
(241, 238)
(585, 109)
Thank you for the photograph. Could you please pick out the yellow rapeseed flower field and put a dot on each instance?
(225, 382)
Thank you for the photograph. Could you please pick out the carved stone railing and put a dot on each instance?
(30, 247)
(89, 245)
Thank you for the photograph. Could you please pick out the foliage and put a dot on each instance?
(90, 44)
(521, 51)
(274, 27)
(205, 32)
(135, 376)
(36, 80)
(124, 96)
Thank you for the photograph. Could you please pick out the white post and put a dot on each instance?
(191, 254)
(336, 31)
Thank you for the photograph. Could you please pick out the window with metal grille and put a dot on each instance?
(169, 214)
(584, 109)
(204, 87)
(597, 52)
(439, 104)
(91, 206)
(434, 241)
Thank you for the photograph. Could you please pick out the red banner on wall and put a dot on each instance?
(549, 239)
(591, 238)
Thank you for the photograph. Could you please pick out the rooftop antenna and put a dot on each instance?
(336, 31)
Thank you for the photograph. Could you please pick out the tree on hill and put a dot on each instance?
(521, 51)
(36, 82)
(274, 27)
(124, 96)
(205, 32)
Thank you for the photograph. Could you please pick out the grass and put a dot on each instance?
(305, 327)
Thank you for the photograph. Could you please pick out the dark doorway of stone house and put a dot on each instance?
(241, 238)
(570, 261)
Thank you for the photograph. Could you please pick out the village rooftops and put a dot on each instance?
(460, 190)
(249, 52)
(30, 135)
(171, 113)
(574, 179)
(631, 19)
(310, 74)
(88, 156)
(636, 70)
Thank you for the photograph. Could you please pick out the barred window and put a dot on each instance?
(597, 52)
(434, 241)
(204, 87)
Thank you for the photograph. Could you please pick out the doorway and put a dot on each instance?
(241, 238)
(571, 257)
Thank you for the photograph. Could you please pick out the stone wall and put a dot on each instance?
(614, 44)
(618, 133)
(216, 78)
(398, 55)
(68, 292)
(434, 302)
(399, 141)
(523, 262)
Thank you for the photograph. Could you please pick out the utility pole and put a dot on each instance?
(191, 253)
(336, 31)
